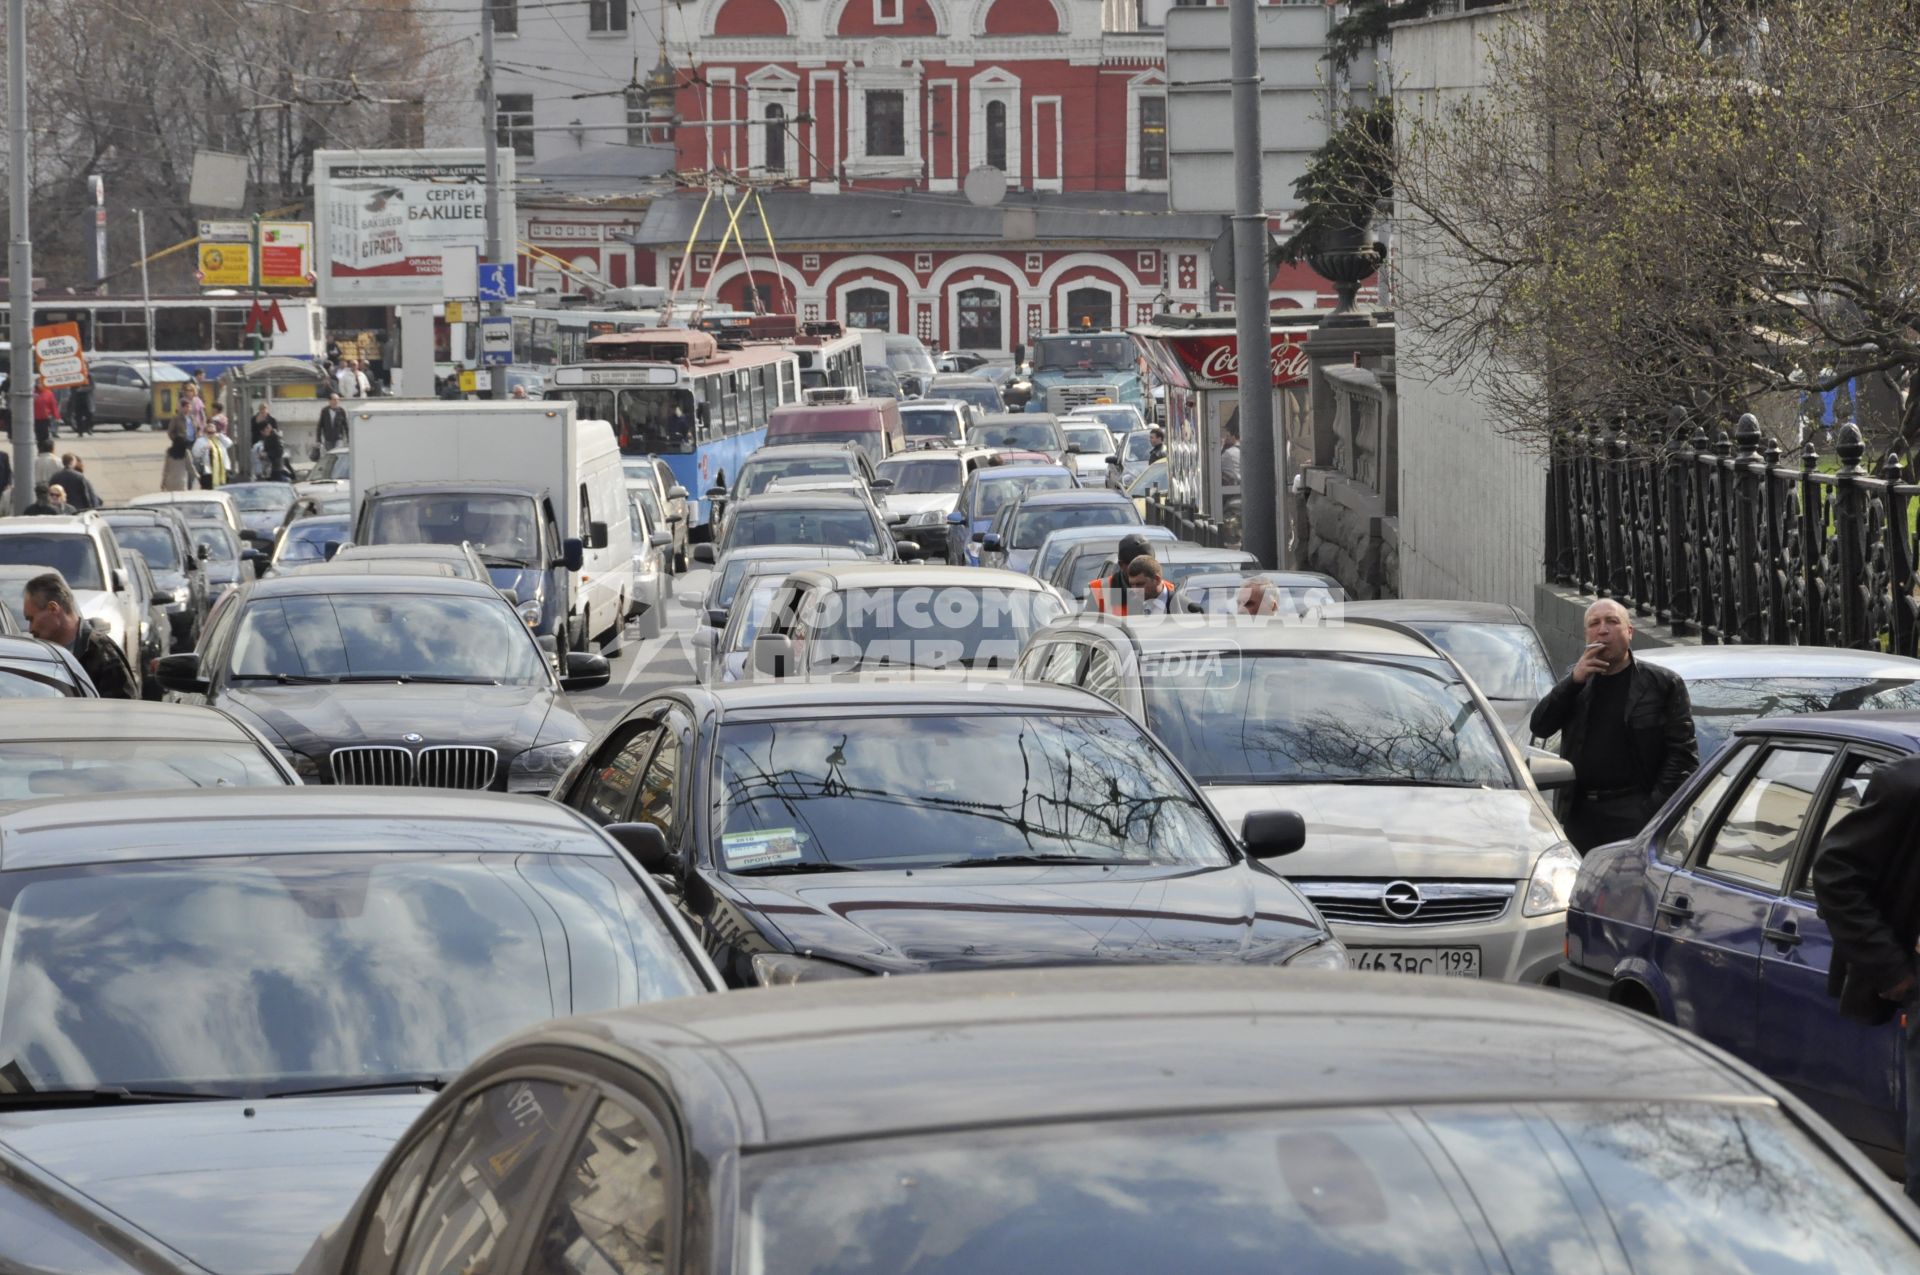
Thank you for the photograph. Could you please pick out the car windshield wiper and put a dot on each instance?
(284, 679)
(1358, 781)
(106, 1093)
(994, 861)
(784, 869)
(448, 679)
(430, 1082)
(498, 560)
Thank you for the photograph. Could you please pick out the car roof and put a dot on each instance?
(1440, 611)
(304, 584)
(436, 553)
(859, 1058)
(47, 524)
(1706, 662)
(1898, 728)
(128, 827)
(360, 567)
(801, 500)
(1094, 532)
(1022, 471)
(789, 698)
(1278, 579)
(216, 497)
(750, 553)
(152, 514)
(427, 487)
(50, 720)
(25, 648)
(1076, 496)
(1186, 551)
(1264, 633)
(800, 451)
(1017, 418)
(884, 575)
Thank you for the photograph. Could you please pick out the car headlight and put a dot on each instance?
(530, 612)
(929, 517)
(1554, 873)
(1327, 954)
(783, 969)
(539, 769)
(302, 765)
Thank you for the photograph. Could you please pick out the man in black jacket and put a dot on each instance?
(333, 424)
(53, 616)
(1626, 726)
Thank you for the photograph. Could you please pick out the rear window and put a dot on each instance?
(74, 556)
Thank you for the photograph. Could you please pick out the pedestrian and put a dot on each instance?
(333, 424)
(46, 412)
(212, 453)
(1257, 597)
(80, 409)
(1229, 457)
(53, 616)
(1157, 445)
(1627, 727)
(193, 410)
(6, 480)
(1148, 593)
(1108, 595)
(345, 381)
(45, 463)
(176, 471)
(1866, 885)
(72, 479)
(262, 419)
(270, 456)
(49, 499)
(519, 391)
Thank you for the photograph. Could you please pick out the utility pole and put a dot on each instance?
(1263, 513)
(19, 260)
(497, 377)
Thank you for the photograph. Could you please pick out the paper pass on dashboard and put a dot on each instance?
(760, 849)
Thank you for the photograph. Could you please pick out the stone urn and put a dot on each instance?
(1347, 258)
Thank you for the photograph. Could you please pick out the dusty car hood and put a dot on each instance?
(237, 1194)
(1370, 831)
(918, 502)
(315, 719)
(967, 918)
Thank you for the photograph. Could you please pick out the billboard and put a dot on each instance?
(58, 356)
(225, 265)
(387, 217)
(286, 254)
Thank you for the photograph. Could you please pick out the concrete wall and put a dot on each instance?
(1472, 503)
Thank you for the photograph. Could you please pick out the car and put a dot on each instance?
(123, 389)
(461, 561)
(156, 630)
(791, 460)
(1706, 918)
(1145, 484)
(263, 507)
(977, 392)
(1080, 561)
(823, 518)
(990, 487)
(390, 680)
(844, 482)
(910, 363)
(924, 487)
(304, 542)
(1119, 1119)
(942, 422)
(235, 996)
(83, 550)
(13, 610)
(845, 618)
(162, 537)
(71, 750)
(1136, 453)
(723, 585)
(1053, 548)
(730, 658)
(1300, 593)
(882, 383)
(1429, 846)
(222, 557)
(652, 568)
(1016, 533)
(1120, 419)
(32, 669)
(1090, 451)
(992, 824)
(1180, 562)
(318, 501)
(656, 476)
(960, 360)
(1731, 685)
(1496, 644)
(1020, 431)
(334, 466)
(197, 506)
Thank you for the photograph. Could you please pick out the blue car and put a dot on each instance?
(985, 492)
(1706, 918)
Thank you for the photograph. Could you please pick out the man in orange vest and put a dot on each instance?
(1110, 596)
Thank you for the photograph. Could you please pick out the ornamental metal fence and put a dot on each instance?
(1730, 539)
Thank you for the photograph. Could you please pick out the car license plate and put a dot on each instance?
(1456, 962)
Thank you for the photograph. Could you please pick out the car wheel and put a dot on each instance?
(1633, 996)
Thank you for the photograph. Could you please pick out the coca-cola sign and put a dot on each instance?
(1213, 361)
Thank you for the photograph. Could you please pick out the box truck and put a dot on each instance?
(539, 494)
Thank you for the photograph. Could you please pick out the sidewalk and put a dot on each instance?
(121, 464)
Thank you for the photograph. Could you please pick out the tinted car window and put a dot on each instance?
(1031, 526)
(387, 1221)
(611, 1214)
(155, 543)
(74, 556)
(38, 682)
(941, 422)
(921, 474)
(756, 474)
(497, 526)
(254, 498)
(1756, 840)
(1720, 705)
(72, 767)
(217, 540)
(1849, 790)
(608, 791)
(996, 491)
(1536, 1189)
(1026, 436)
(386, 636)
(852, 528)
(937, 789)
(306, 540)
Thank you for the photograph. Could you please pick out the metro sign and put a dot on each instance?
(1212, 361)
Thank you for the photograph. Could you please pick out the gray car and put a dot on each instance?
(272, 986)
(1496, 644)
(123, 389)
(1733, 685)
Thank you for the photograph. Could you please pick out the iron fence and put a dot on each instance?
(1728, 539)
(1189, 524)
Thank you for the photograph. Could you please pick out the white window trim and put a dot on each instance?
(955, 286)
(609, 32)
(906, 80)
(1151, 83)
(1117, 299)
(771, 86)
(1059, 141)
(995, 84)
(880, 18)
(891, 287)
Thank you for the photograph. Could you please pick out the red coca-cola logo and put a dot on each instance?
(1216, 360)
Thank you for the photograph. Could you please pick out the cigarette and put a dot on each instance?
(1594, 646)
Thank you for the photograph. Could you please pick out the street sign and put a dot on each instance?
(57, 354)
(460, 273)
(286, 254)
(475, 381)
(496, 340)
(226, 231)
(456, 312)
(225, 265)
(496, 281)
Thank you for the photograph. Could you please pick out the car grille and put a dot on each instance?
(391, 766)
(1072, 396)
(1394, 902)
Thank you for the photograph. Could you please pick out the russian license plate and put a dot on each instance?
(1457, 962)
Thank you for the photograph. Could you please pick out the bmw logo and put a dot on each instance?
(411, 738)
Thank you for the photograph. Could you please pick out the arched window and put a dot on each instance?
(1089, 308)
(870, 308)
(997, 135)
(980, 320)
(776, 138)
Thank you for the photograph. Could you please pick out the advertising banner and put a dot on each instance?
(57, 354)
(286, 254)
(225, 265)
(386, 218)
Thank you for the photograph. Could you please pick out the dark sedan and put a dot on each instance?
(395, 680)
(64, 750)
(220, 1009)
(1132, 1122)
(165, 539)
(32, 669)
(816, 833)
(1706, 918)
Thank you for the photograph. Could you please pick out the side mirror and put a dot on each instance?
(1268, 834)
(989, 541)
(249, 535)
(773, 654)
(716, 618)
(714, 492)
(703, 553)
(648, 846)
(1114, 461)
(1550, 772)
(332, 547)
(202, 552)
(573, 554)
(258, 559)
(881, 484)
(956, 519)
(512, 596)
(676, 492)
(909, 550)
(181, 673)
(121, 582)
(596, 535)
(659, 540)
(162, 598)
(1073, 449)
(585, 672)
(979, 537)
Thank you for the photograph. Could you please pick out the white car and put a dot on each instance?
(82, 549)
(652, 567)
(1091, 451)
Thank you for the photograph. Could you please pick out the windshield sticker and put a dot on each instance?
(761, 849)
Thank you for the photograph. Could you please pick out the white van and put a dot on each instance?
(604, 582)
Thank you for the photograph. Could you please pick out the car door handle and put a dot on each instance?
(1787, 935)
(1678, 907)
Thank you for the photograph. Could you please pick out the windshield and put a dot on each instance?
(852, 528)
(936, 789)
(200, 510)
(503, 526)
(251, 974)
(751, 612)
(756, 474)
(381, 637)
(904, 354)
(1121, 419)
(983, 396)
(1031, 526)
(306, 540)
(74, 557)
(70, 767)
(216, 540)
(937, 422)
(1506, 661)
(1075, 352)
(1137, 446)
(648, 420)
(1026, 436)
(1055, 551)
(1220, 595)
(650, 506)
(335, 464)
(953, 626)
(1720, 705)
(916, 475)
(997, 491)
(1091, 442)
(258, 498)
(1291, 719)
(154, 543)
(1534, 1189)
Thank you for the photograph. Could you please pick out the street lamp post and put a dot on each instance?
(19, 260)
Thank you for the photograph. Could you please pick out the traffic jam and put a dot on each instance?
(704, 815)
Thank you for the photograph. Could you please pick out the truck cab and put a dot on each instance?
(1083, 368)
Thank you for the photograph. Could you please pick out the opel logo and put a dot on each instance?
(412, 738)
(1401, 900)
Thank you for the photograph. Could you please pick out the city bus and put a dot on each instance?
(829, 357)
(544, 337)
(204, 333)
(682, 396)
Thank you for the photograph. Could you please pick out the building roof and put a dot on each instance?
(919, 217)
(602, 173)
